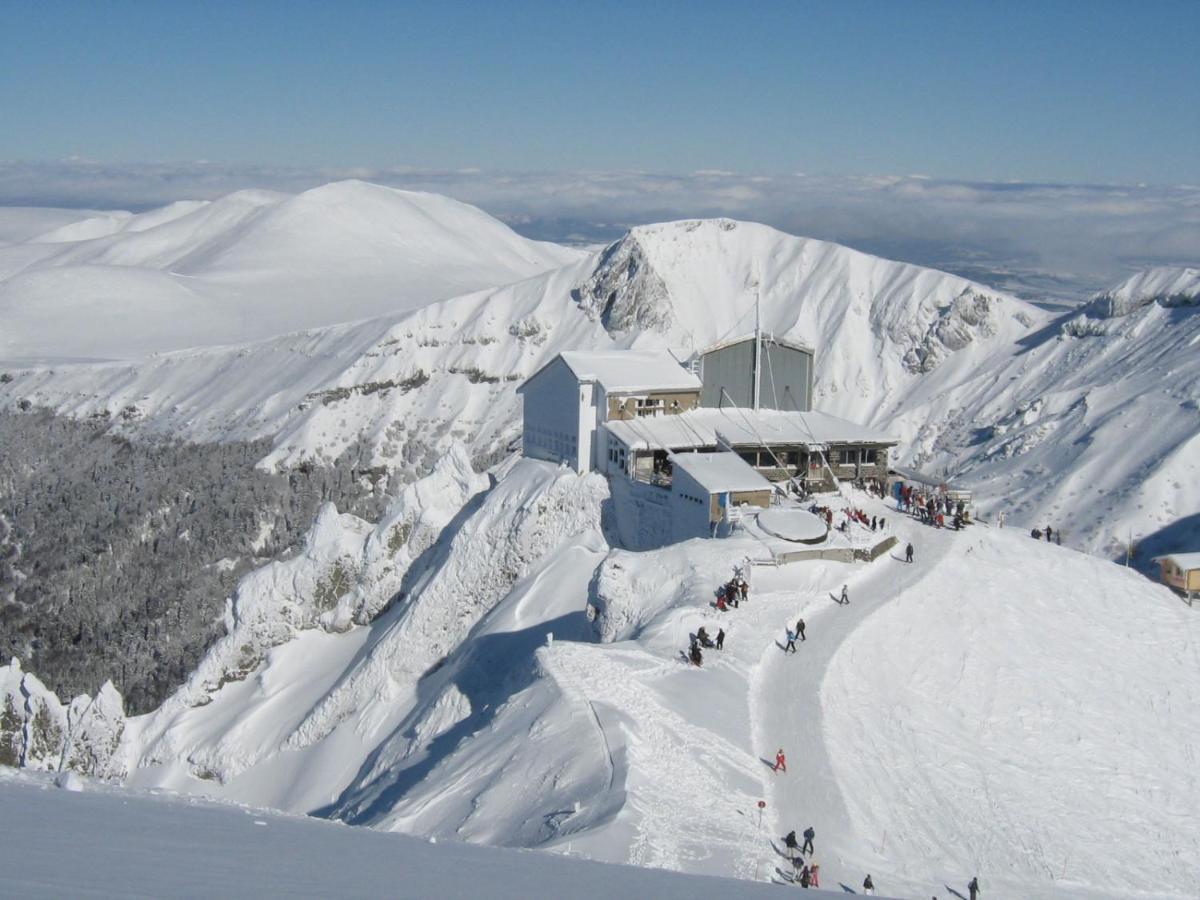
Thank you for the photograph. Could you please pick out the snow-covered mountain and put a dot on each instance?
(485, 662)
(972, 380)
(247, 266)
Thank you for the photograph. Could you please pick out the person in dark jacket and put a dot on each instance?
(791, 642)
(800, 629)
(868, 885)
(791, 843)
(973, 888)
(908, 553)
(809, 834)
(720, 638)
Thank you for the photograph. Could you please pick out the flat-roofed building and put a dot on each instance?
(567, 399)
(708, 489)
(809, 448)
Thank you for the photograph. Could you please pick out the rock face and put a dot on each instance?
(38, 732)
(1166, 286)
(624, 293)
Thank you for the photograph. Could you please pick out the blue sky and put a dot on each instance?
(1044, 92)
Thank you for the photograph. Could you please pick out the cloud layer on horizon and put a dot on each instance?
(1040, 239)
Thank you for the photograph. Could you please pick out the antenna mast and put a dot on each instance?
(757, 345)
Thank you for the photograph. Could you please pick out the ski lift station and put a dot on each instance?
(708, 440)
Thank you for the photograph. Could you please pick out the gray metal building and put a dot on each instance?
(785, 380)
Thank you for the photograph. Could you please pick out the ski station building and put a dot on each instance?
(1182, 572)
(730, 427)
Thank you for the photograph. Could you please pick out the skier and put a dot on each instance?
(696, 656)
(703, 638)
(805, 877)
(845, 599)
(908, 553)
(791, 642)
(780, 761)
(731, 591)
(800, 629)
(809, 834)
(814, 875)
(868, 885)
(720, 638)
(791, 843)
(973, 888)
(721, 606)
(1049, 537)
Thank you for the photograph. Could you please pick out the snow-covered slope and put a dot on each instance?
(976, 384)
(80, 838)
(547, 704)
(247, 266)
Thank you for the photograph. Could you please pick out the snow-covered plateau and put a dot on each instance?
(484, 662)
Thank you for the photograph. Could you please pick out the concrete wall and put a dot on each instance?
(555, 413)
(692, 507)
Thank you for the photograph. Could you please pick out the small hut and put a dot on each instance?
(1182, 572)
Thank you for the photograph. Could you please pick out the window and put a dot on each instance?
(868, 455)
(750, 456)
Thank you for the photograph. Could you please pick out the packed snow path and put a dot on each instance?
(789, 711)
(1000, 707)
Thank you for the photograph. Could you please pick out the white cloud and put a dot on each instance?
(1057, 238)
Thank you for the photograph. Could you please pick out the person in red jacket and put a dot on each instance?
(780, 761)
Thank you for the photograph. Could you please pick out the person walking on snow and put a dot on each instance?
(973, 888)
(791, 843)
(908, 553)
(800, 629)
(805, 877)
(791, 642)
(809, 834)
(814, 875)
(780, 761)
(720, 638)
(868, 885)
(1048, 535)
(845, 599)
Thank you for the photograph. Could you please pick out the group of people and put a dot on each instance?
(790, 646)
(807, 871)
(733, 593)
(1052, 536)
(702, 641)
(875, 523)
(932, 508)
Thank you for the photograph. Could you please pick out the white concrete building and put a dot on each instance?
(572, 395)
(707, 489)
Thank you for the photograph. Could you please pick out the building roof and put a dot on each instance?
(734, 427)
(1185, 561)
(718, 472)
(929, 480)
(768, 338)
(620, 371)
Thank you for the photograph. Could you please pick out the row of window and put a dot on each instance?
(842, 456)
(555, 441)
